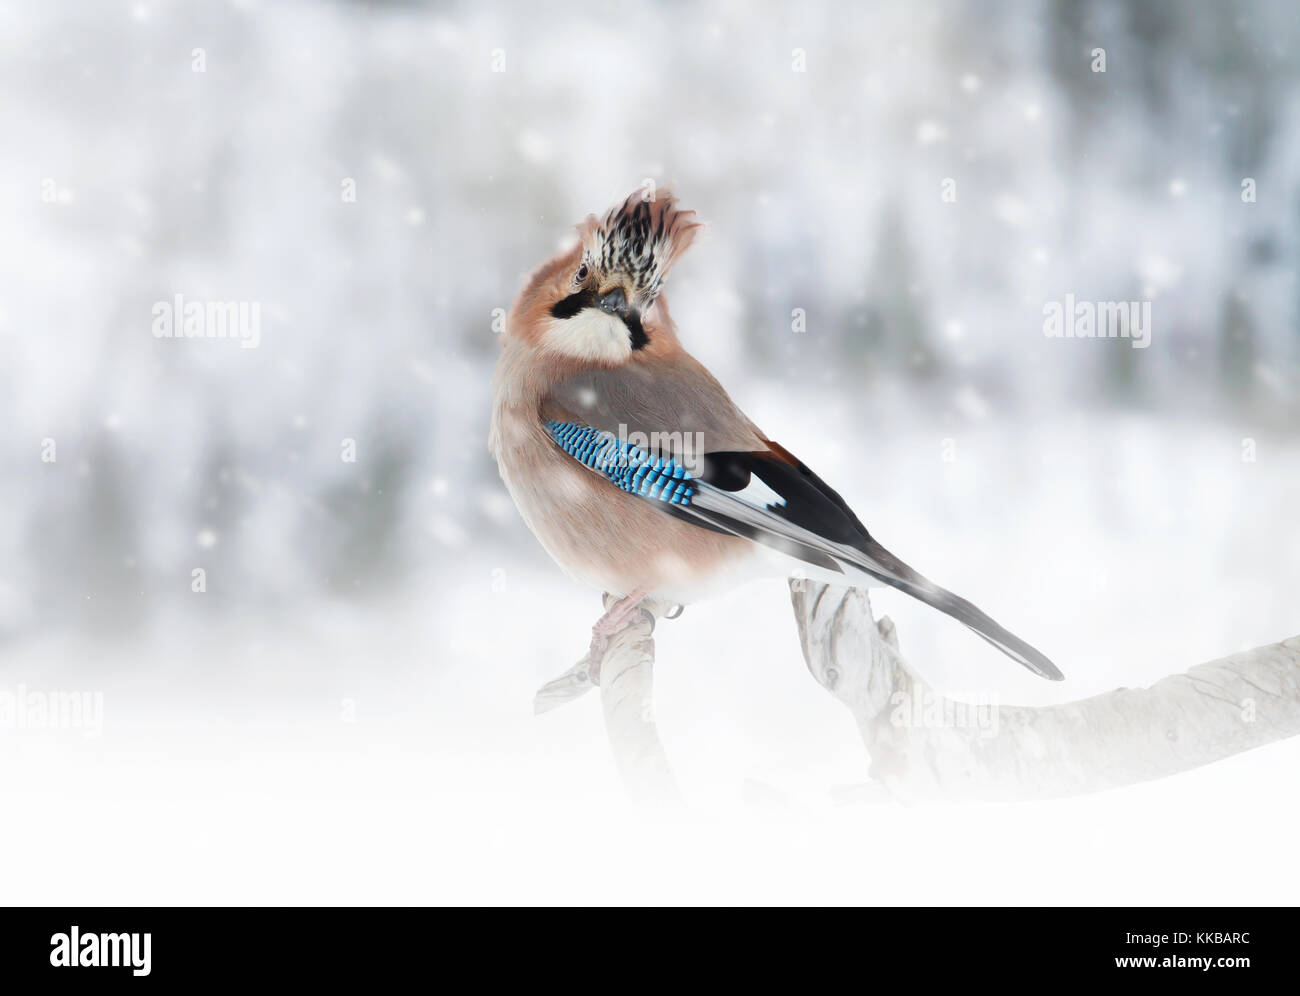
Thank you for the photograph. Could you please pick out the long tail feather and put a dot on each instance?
(884, 566)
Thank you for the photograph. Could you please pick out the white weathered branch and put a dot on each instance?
(1118, 738)
(923, 746)
(626, 676)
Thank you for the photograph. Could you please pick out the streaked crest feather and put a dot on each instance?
(640, 238)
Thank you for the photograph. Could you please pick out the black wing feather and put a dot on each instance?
(809, 501)
(811, 504)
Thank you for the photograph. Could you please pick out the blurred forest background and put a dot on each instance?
(814, 140)
(344, 714)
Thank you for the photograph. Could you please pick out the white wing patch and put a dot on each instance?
(758, 493)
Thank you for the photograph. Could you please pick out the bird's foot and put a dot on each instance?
(616, 617)
(585, 675)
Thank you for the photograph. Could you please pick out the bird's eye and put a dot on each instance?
(581, 275)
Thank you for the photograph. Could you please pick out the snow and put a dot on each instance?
(344, 715)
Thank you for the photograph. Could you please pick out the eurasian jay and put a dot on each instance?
(635, 469)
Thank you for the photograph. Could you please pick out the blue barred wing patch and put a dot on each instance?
(629, 467)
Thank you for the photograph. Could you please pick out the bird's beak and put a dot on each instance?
(614, 302)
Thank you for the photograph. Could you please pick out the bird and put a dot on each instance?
(633, 466)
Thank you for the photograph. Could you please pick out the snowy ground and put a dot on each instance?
(389, 754)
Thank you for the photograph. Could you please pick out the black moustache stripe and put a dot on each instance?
(571, 305)
(633, 322)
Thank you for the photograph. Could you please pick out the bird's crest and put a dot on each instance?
(640, 239)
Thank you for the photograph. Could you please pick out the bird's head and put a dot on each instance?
(596, 301)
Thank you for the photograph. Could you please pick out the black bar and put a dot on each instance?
(370, 947)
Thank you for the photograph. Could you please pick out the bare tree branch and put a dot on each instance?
(626, 676)
(923, 746)
(1118, 738)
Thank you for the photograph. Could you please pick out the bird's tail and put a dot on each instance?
(884, 566)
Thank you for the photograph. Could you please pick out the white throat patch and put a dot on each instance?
(590, 335)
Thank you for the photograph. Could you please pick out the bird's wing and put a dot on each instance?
(677, 440)
(671, 406)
